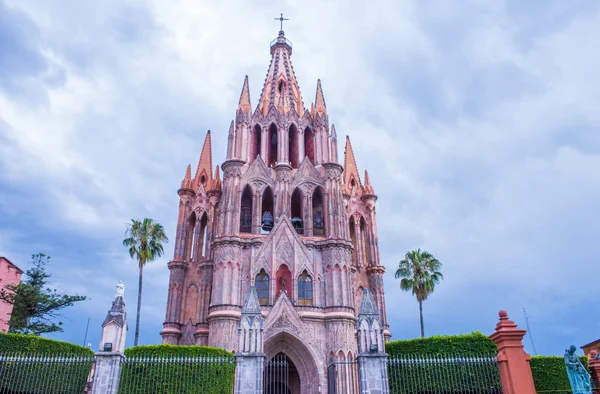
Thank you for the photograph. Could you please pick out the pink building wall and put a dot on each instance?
(10, 274)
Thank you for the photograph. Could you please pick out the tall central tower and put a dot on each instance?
(286, 219)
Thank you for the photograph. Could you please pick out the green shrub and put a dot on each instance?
(29, 344)
(474, 344)
(444, 364)
(30, 364)
(159, 369)
(550, 374)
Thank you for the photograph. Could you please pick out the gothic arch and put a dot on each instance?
(255, 145)
(267, 210)
(272, 145)
(190, 309)
(246, 209)
(309, 144)
(318, 211)
(297, 210)
(293, 145)
(307, 362)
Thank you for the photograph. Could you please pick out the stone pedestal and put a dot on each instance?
(513, 362)
(594, 366)
(107, 372)
(373, 373)
(249, 373)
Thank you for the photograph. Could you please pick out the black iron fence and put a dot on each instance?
(342, 377)
(43, 374)
(443, 375)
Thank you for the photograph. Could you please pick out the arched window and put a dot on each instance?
(293, 146)
(318, 214)
(262, 287)
(305, 290)
(309, 145)
(202, 240)
(353, 239)
(246, 211)
(192, 238)
(366, 250)
(296, 208)
(256, 142)
(267, 210)
(272, 142)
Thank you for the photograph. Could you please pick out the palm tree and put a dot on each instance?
(420, 272)
(145, 242)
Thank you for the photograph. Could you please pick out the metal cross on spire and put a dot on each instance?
(281, 19)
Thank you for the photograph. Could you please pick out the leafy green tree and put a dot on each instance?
(35, 306)
(145, 242)
(420, 272)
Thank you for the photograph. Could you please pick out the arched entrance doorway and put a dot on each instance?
(291, 368)
(281, 376)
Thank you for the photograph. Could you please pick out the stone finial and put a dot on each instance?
(368, 305)
(244, 103)
(216, 185)
(186, 183)
(351, 175)
(368, 188)
(251, 304)
(204, 168)
(319, 106)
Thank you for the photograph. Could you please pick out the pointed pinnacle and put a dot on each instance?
(188, 173)
(244, 103)
(320, 99)
(205, 161)
(333, 133)
(231, 128)
(350, 167)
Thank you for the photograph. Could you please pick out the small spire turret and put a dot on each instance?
(186, 183)
(351, 175)
(204, 170)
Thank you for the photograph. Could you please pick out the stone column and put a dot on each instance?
(107, 372)
(301, 153)
(172, 328)
(250, 357)
(372, 359)
(513, 362)
(594, 366)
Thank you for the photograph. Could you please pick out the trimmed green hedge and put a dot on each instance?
(474, 344)
(550, 374)
(30, 364)
(444, 364)
(161, 369)
(28, 344)
(176, 350)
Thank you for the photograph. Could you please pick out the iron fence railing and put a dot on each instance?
(342, 377)
(176, 374)
(43, 374)
(448, 375)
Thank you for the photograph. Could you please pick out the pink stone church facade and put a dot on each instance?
(286, 219)
(10, 274)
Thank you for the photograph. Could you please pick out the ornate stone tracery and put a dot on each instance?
(291, 152)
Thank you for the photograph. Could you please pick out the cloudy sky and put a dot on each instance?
(478, 122)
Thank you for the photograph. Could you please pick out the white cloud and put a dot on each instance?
(481, 140)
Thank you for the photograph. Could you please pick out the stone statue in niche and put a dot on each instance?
(578, 375)
(282, 282)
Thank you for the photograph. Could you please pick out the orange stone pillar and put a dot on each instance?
(594, 366)
(513, 362)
